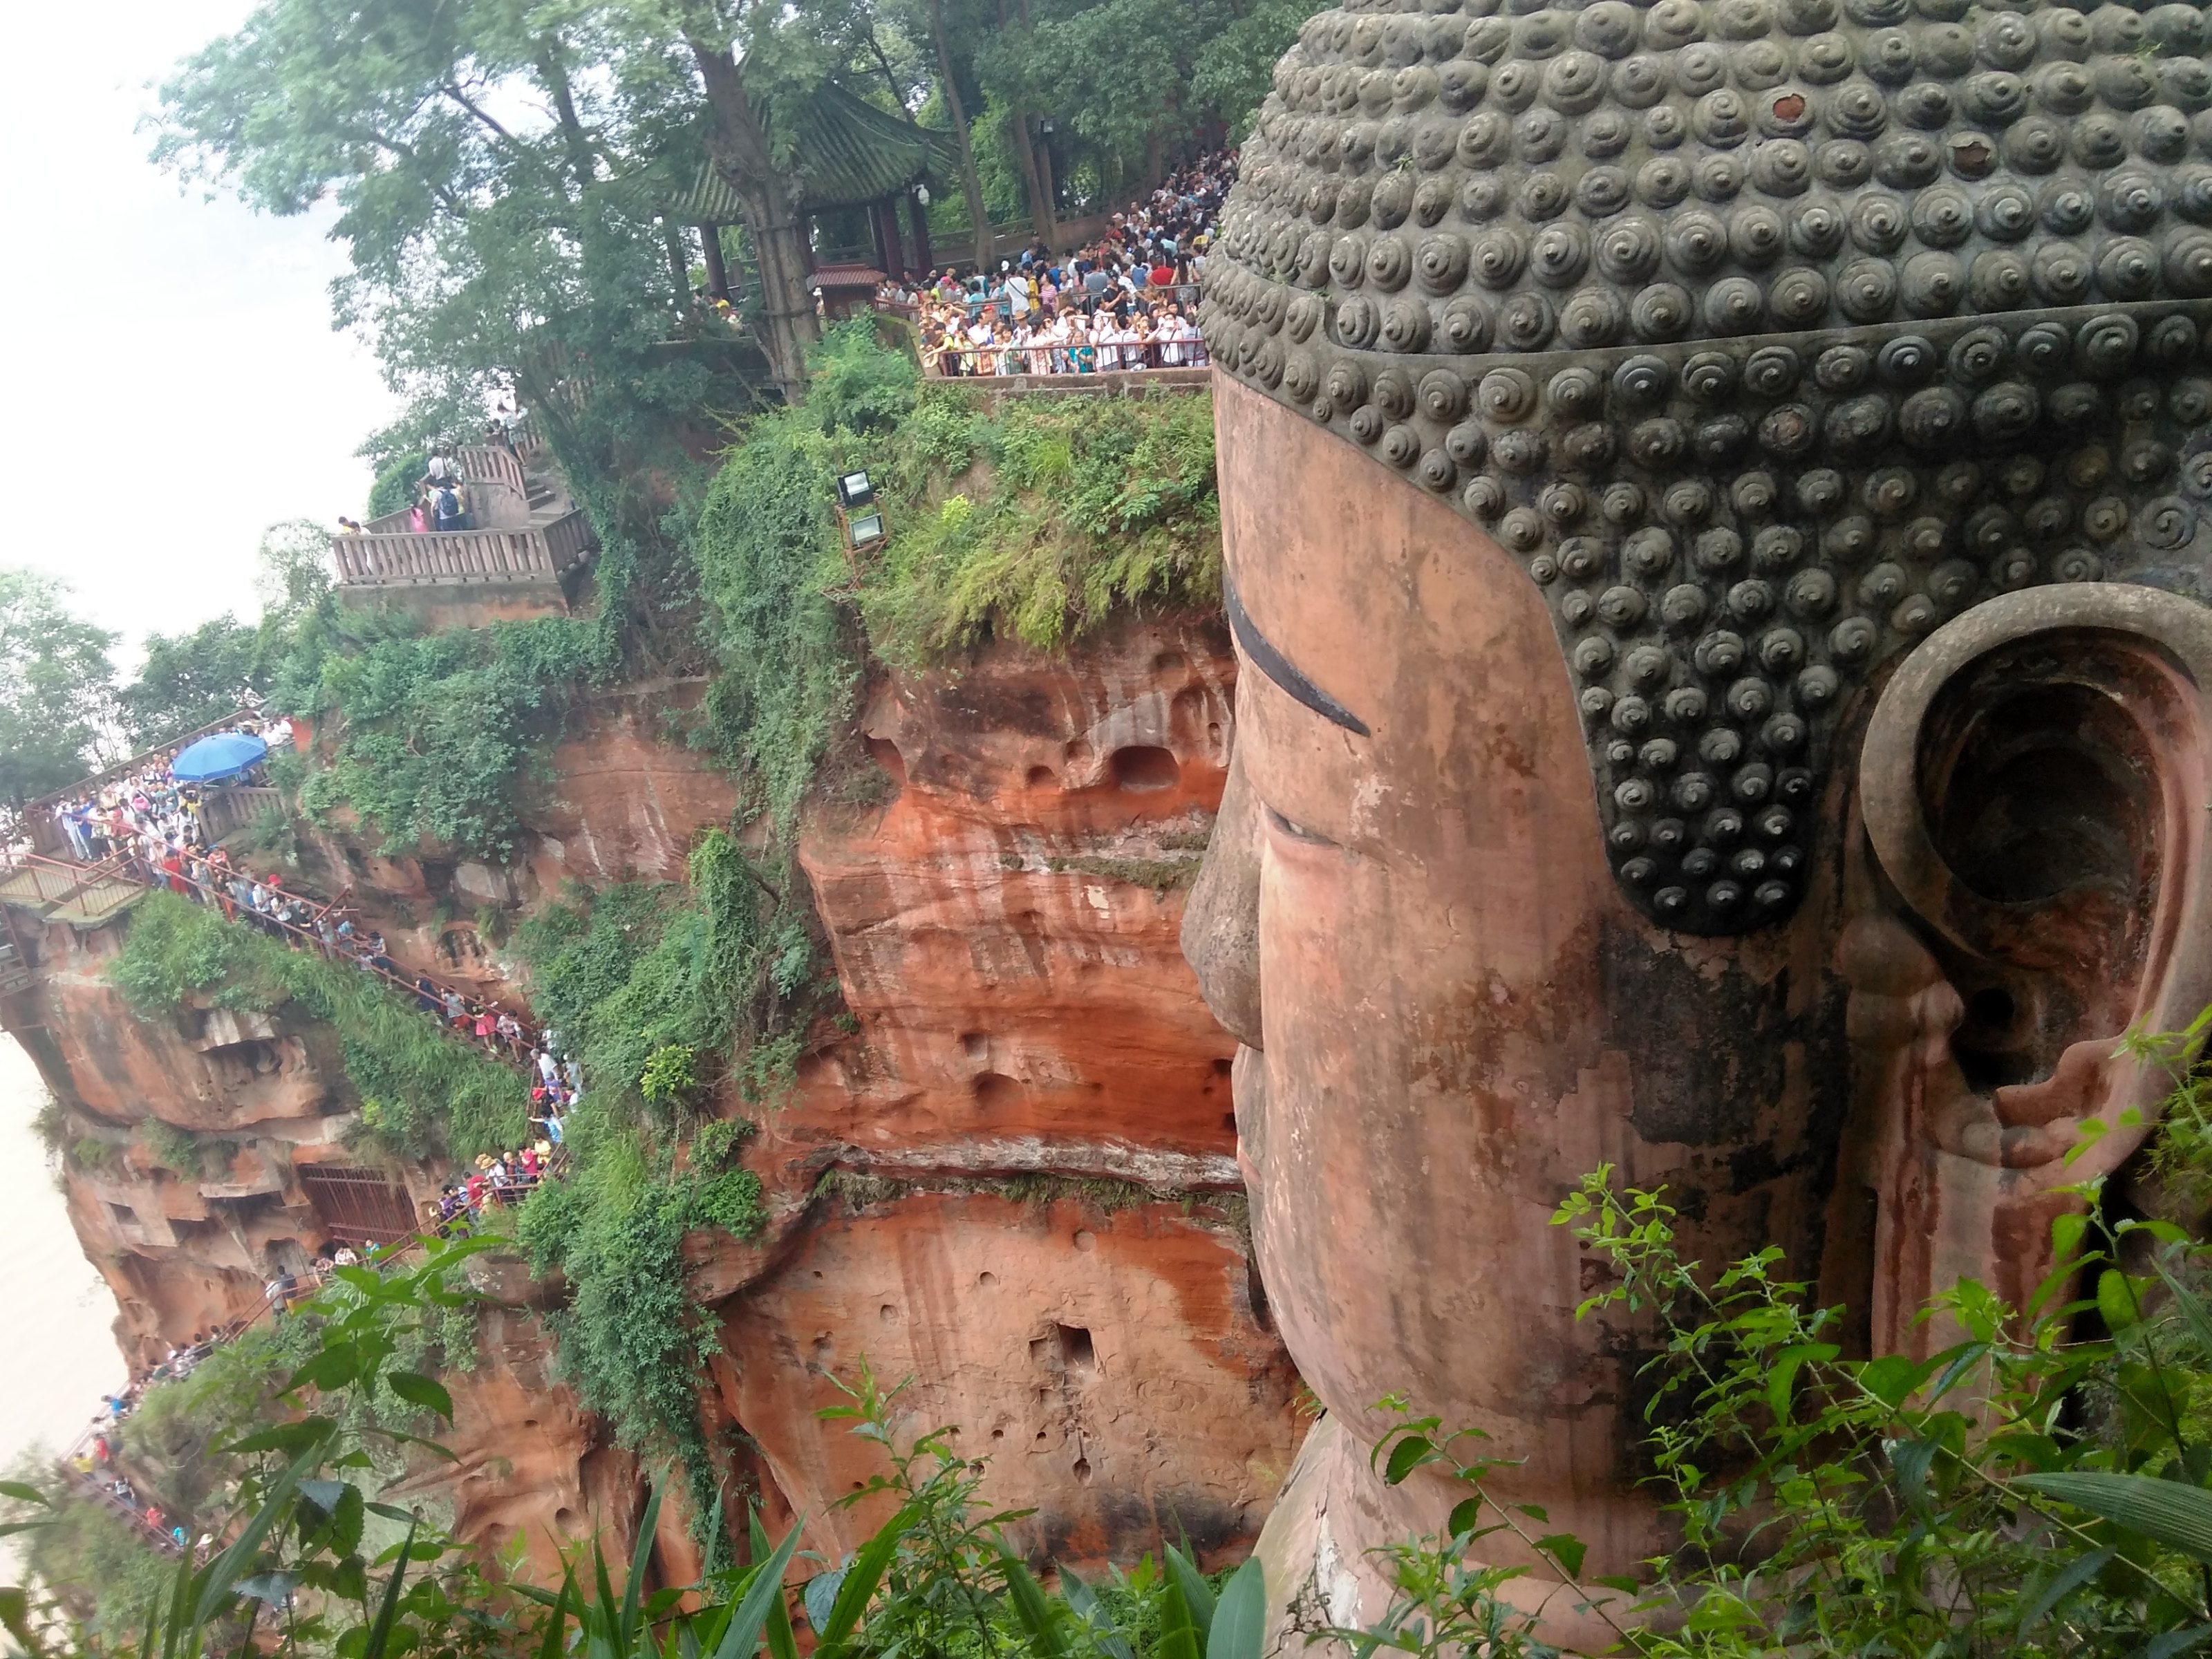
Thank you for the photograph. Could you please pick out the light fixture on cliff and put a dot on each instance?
(859, 516)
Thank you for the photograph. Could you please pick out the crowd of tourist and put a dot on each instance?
(1127, 301)
(155, 821)
(148, 804)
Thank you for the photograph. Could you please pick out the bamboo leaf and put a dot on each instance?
(1032, 1611)
(2166, 1511)
(860, 1581)
(226, 1569)
(1197, 1599)
(379, 1635)
(1177, 1639)
(2078, 1573)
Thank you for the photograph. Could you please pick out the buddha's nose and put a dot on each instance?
(1221, 924)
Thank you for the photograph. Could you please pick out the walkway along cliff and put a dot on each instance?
(1008, 1171)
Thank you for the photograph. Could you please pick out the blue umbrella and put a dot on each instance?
(225, 755)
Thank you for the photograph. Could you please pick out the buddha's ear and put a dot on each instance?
(2036, 784)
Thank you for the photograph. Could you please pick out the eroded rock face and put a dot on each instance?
(1005, 925)
(1115, 1364)
(1003, 906)
(625, 798)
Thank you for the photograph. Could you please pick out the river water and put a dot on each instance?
(57, 1353)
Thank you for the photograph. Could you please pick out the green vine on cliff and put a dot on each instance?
(430, 1092)
(632, 1339)
(1038, 519)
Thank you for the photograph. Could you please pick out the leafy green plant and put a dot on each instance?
(718, 1139)
(632, 1340)
(435, 731)
(174, 1149)
(1039, 518)
(670, 1076)
(2026, 1491)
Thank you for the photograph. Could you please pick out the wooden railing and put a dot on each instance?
(568, 539)
(483, 464)
(225, 808)
(456, 555)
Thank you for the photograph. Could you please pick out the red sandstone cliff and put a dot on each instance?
(1004, 931)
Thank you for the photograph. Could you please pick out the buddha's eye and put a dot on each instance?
(1298, 831)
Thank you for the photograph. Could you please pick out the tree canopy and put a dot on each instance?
(55, 682)
(483, 154)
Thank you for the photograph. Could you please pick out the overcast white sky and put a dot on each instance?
(169, 380)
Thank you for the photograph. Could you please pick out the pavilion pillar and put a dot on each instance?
(718, 275)
(680, 274)
(924, 260)
(882, 216)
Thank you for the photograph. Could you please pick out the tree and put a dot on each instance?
(191, 680)
(483, 244)
(56, 683)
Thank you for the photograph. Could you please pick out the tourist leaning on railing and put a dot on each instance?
(1126, 302)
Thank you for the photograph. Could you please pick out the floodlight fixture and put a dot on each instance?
(866, 529)
(854, 490)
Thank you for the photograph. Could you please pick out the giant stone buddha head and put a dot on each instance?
(1718, 498)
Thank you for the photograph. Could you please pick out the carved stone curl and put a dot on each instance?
(1768, 337)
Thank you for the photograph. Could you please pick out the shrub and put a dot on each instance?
(434, 730)
(1039, 518)
(174, 1149)
(669, 1078)
(717, 1141)
(768, 551)
(422, 1089)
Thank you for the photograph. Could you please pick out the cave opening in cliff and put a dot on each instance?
(1144, 767)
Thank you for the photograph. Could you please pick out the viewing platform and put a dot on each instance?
(524, 557)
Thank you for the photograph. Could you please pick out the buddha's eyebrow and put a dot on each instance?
(1279, 668)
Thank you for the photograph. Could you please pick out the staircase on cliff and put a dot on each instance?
(84, 896)
(527, 552)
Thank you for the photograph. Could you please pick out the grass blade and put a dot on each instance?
(741, 1636)
(379, 1634)
(1240, 1616)
(860, 1581)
